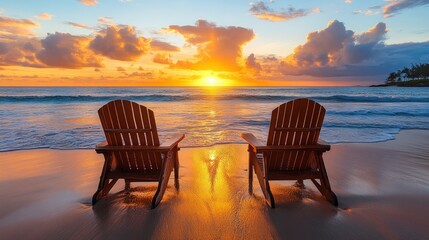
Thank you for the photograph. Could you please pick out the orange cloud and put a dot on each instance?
(13, 28)
(262, 11)
(120, 43)
(163, 46)
(252, 64)
(218, 48)
(21, 52)
(89, 2)
(78, 25)
(162, 59)
(44, 16)
(67, 51)
(105, 20)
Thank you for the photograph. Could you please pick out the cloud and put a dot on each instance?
(13, 28)
(336, 51)
(120, 69)
(218, 48)
(44, 16)
(89, 2)
(21, 52)
(105, 20)
(120, 43)
(78, 25)
(366, 12)
(163, 46)
(261, 11)
(395, 6)
(348, 1)
(162, 59)
(251, 63)
(67, 51)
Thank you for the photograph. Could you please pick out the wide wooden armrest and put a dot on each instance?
(173, 141)
(102, 144)
(252, 140)
(104, 147)
(258, 146)
(324, 143)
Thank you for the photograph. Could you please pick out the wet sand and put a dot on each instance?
(383, 192)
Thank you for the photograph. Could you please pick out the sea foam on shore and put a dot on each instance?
(66, 118)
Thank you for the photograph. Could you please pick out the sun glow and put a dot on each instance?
(212, 81)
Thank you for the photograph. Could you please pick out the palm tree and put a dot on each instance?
(391, 78)
(406, 72)
(399, 75)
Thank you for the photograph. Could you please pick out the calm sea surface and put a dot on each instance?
(66, 118)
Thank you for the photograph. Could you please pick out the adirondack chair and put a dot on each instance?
(293, 150)
(132, 150)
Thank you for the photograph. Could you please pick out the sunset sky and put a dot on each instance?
(224, 42)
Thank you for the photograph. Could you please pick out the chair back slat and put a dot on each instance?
(127, 123)
(297, 122)
(144, 158)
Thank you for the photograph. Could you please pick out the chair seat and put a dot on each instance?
(136, 176)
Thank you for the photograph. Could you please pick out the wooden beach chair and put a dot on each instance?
(132, 150)
(293, 150)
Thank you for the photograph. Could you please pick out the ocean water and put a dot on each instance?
(66, 118)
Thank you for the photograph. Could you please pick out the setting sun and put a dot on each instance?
(211, 81)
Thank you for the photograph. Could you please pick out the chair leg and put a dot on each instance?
(299, 184)
(176, 165)
(250, 171)
(127, 185)
(269, 198)
(103, 178)
(263, 182)
(325, 185)
(167, 168)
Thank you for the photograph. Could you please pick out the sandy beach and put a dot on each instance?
(383, 192)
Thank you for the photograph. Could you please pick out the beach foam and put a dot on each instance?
(66, 118)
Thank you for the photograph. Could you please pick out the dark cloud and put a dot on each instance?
(219, 48)
(251, 63)
(262, 11)
(352, 55)
(395, 6)
(335, 51)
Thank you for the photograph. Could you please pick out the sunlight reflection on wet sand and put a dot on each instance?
(378, 197)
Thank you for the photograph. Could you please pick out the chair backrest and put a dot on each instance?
(127, 123)
(297, 122)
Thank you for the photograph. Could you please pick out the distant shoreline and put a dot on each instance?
(410, 83)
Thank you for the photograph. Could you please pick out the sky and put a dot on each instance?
(209, 43)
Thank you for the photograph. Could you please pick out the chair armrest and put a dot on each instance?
(101, 144)
(258, 146)
(323, 143)
(104, 147)
(173, 141)
(252, 141)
